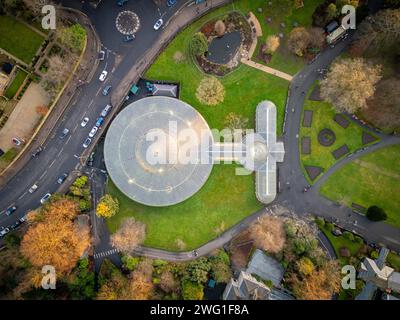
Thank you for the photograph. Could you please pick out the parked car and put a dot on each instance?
(102, 54)
(45, 198)
(4, 231)
(171, 3)
(64, 133)
(37, 152)
(106, 90)
(33, 188)
(23, 219)
(106, 110)
(87, 142)
(84, 122)
(158, 24)
(103, 75)
(120, 3)
(99, 122)
(128, 38)
(11, 210)
(93, 132)
(90, 160)
(15, 225)
(62, 178)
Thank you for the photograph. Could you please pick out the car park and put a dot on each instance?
(64, 133)
(106, 110)
(84, 122)
(106, 90)
(33, 188)
(103, 75)
(62, 178)
(99, 122)
(102, 55)
(158, 24)
(87, 142)
(45, 198)
(11, 210)
(4, 231)
(128, 38)
(93, 132)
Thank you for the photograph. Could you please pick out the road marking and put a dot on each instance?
(392, 240)
(105, 253)
(90, 103)
(43, 174)
(59, 153)
(22, 195)
(51, 164)
(98, 91)
(69, 138)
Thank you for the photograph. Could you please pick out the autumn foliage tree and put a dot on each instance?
(130, 234)
(210, 91)
(349, 83)
(320, 284)
(107, 206)
(141, 285)
(271, 44)
(268, 234)
(298, 41)
(54, 239)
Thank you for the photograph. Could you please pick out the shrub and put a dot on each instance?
(330, 227)
(220, 28)
(320, 222)
(130, 262)
(375, 213)
(374, 254)
(192, 290)
(198, 44)
(358, 239)
(107, 206)
(348, 235)
(271, 44)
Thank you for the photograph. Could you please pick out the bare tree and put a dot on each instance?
(299, 40)
(130, 234)
(268, 234)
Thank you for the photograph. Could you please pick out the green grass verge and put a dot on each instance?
(341, 242)
(7, 157)
(371, 180)
(16, 84)
(223, 201)
(321, 156)
(393, 260)
(280, 11)
(18, 39)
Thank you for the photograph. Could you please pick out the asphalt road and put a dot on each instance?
(64, 155)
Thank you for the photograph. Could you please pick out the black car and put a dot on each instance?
(15, 225)
(37, 151)
(62, 178)
(129, 37)
(11, 210)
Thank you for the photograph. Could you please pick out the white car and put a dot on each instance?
(4, 231)
(84, 122)
(45, 198)
(93, 132)
(103, 76)
(33, 188)
(158, 24)
(87, 143)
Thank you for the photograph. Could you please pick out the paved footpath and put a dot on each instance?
(266, 69)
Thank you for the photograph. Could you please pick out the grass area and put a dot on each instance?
(198, 219)
(280, 11)
(321, 156)
(373, 179)
(245, 87)
(18, 39)
(393, 260)
(7, 157)
(341, 242)
(16, 84)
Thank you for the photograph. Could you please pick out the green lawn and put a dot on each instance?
(198, 219)
(19, 40)
(342, 242)
(7, 157)
(393, 260)
(245, 87)
(280, 11)
(374, 179)
(321, 156)
(16, 84)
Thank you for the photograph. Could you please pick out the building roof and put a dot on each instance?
(168, 90)
(266, 267)
(143, 150)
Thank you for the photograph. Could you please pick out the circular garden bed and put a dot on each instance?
(218, 46)
(326, 137)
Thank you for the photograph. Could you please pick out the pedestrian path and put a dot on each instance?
(105, 253)
(266, 69)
